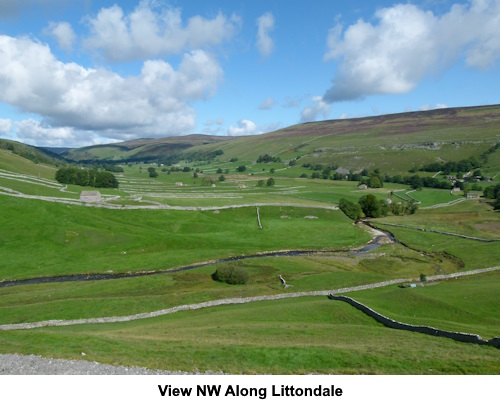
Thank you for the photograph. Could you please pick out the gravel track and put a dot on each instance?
(16, 364)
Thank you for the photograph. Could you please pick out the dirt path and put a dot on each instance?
(232, 301)
(17, 364)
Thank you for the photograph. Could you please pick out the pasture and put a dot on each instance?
(150, 225)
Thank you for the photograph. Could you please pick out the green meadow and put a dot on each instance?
(68, 239)
(150, 225)
(292, 336)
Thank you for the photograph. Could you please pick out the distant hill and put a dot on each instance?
(36, 155)
(393, 143)
(142, 149)
(55, 150)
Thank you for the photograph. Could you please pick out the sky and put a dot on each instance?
(83, 72)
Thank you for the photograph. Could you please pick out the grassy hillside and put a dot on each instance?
(293, 336)
(370, 142)
(32, 153)
(142, 149)
(9, 161)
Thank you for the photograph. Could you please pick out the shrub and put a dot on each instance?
(270, 182)
(351, 209)
(230, 274)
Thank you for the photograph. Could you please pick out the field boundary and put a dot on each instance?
(428, 330)
(414, 228)
(13, 193)
(231, 301)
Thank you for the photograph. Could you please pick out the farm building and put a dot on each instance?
(179, 184)
(90, 196)
(472, 195)
(362, 186)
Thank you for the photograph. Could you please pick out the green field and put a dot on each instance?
(66, 239)
(292, 336)
(469, 306)
(149, 225)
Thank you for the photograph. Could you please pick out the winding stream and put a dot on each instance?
(383, 238)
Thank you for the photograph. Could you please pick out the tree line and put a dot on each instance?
(86, 177)
(371, 207)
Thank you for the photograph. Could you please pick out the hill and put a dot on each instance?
(36, 155)
(422, 137)
(142, 149)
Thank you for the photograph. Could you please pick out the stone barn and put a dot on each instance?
(90, 196)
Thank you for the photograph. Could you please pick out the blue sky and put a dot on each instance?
(75, 73)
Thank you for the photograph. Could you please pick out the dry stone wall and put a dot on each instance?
(414, 228)
(458, 336)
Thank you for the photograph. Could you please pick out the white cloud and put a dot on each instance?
(408, 43)
(427, 107)
(153, 103)
(5, 126)
(213, 127)
(63, 33)
(320, 108)
(267, 104)
(245, 127)
(265, 43)
(148, 32)
(35, 133)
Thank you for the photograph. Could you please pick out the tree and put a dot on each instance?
(86, 177)
(260, 183)
(152, 172)
(374, 182)
(270, 182)
(370, 206)
(351, 209)
(222, 177)
(241, 168)
(219, 170)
